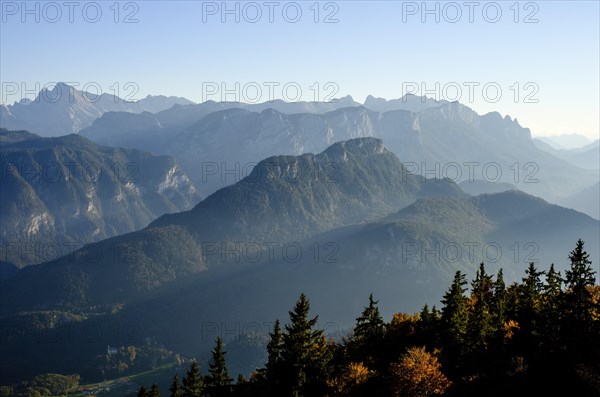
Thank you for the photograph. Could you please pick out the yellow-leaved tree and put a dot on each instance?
(418, 374)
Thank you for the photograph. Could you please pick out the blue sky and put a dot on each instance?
(380, 48)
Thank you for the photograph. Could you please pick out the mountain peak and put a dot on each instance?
(346, 99)
(61, 87)
(358, 146)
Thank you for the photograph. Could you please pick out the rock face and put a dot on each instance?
(61, 193)
(66, 110)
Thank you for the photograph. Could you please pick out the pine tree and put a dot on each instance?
(454, 310)
(154, 391)
(425, 314)
(218, 378)
(304, 353)
(370, 323)
(429, 321)
(274, 353)
(551, 308)
(553, 287)
(193, 385)
(578, 297)
(533, 284)
(580, 275)
(142, 392)
(530, 295)
(175, 388)
(528, 308)
(482, 286)
(454, 320)
(241, 379)
(480, 321)
(368, 332)
(499, 300)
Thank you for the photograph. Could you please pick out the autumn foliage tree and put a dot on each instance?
(418, 374)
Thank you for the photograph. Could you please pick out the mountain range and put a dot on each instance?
(585, 201)
(66, 110)
(61, 193)
(204, 138)
(221, 147)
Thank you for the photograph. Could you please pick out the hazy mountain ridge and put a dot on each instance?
(476, 187)
(65, 110)
(585, 201)
(222, 147)
(409, 102)
(587, 156)
(61, 193)
(566, 141)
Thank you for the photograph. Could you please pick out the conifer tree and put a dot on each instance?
(429, 321)
(530, 295)
(578, 297)
(580, 275)
(480, 320)
(241, 379)
(533, 284)
(553, 286)
(454, 320)
(193, 385)
(370, 324)
(499, 300)
(304, 351)
(425, 319)
(482, 286)
(368, 331)
(142, 392)
(425, 314)
(528, 311)
(175, 389)
(218, 378)
(551, 308)
(274, 353)
(154, 391)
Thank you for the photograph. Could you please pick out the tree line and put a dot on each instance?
(540, 336)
